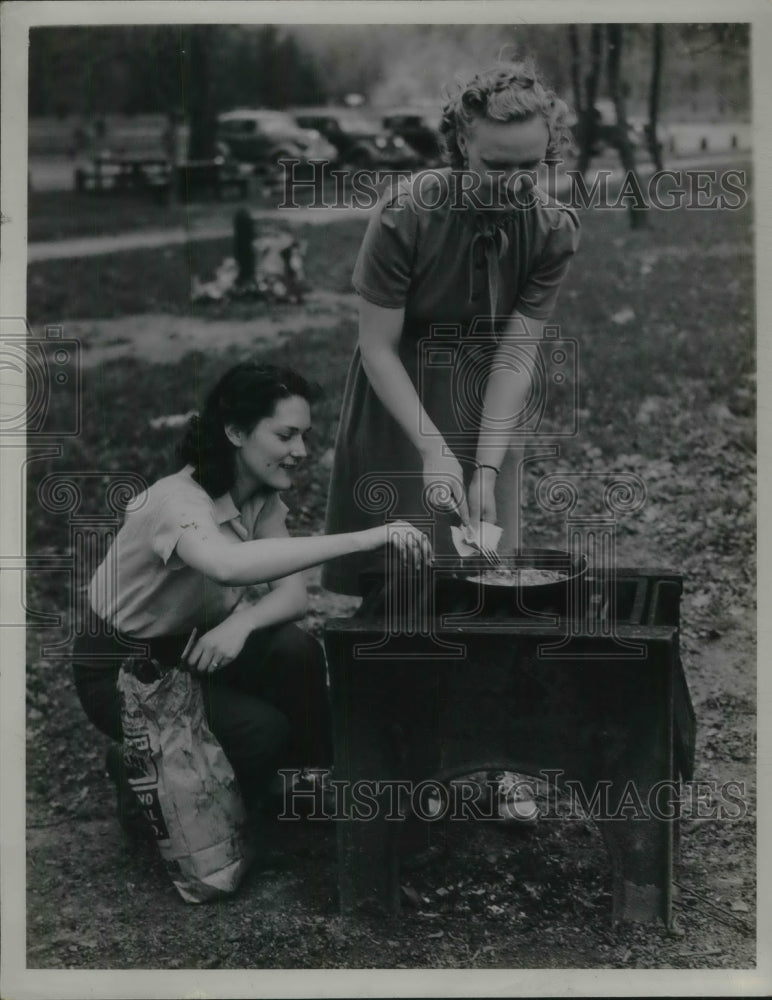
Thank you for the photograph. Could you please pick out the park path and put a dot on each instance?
(92, 246)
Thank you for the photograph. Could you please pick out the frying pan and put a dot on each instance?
(455, 591)
(447, 581)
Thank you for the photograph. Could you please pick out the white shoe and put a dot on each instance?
(515, 800)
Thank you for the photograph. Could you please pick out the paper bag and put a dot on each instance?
(183, 781)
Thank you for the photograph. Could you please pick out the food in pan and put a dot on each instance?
(526, 577)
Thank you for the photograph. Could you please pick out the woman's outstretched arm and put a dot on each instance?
(238, 564)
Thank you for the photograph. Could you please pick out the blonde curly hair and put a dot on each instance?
(506, 92)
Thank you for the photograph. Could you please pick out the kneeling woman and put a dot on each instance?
(188, 550)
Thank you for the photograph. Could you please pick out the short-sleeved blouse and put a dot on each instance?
(143, 588)
(459, 273)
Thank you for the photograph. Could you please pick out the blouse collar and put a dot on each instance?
(224, 508)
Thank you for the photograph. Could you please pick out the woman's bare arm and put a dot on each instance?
(238, 564)
(506, 394)
(508, 388)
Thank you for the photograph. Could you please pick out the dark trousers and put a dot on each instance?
(269, 708)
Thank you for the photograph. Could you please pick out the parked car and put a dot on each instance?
(418, 131)
(359, 141)
(264, 137)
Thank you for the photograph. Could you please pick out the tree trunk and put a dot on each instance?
(589, 130)
(655, 148)
(576, 62)
(576, 85)
(201, 110)
(631, 182)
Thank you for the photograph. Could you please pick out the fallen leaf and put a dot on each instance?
(625, 315)
(173, 420)
(738, 906)
(647, 409)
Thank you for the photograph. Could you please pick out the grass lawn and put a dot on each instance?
(58, 215)
(158, 280)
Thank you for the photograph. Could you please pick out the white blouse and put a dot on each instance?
(143, 589)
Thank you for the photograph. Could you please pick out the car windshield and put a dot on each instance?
(271, 123)
(357, 126)
(277, 123)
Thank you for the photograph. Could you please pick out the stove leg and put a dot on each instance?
(641, 853)
(368, 863)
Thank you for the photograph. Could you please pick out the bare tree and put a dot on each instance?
(585, 97)
(576, 64)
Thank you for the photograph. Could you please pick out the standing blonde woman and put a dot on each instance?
(474, 248)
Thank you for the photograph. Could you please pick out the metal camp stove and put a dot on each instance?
(590, 690)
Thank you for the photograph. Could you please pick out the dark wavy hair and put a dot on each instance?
(245, 395)
(507, 92)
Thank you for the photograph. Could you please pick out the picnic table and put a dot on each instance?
(155, 175)
(122, 173)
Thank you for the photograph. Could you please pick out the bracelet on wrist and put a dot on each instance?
(483, 465)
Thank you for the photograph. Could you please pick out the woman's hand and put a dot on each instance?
(216, 648)
(412, 545)
(482, 501)
(444, 485)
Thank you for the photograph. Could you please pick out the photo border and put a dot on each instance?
(16, 981)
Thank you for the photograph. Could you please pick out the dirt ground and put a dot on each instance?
(160, 338)
(493, 898)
